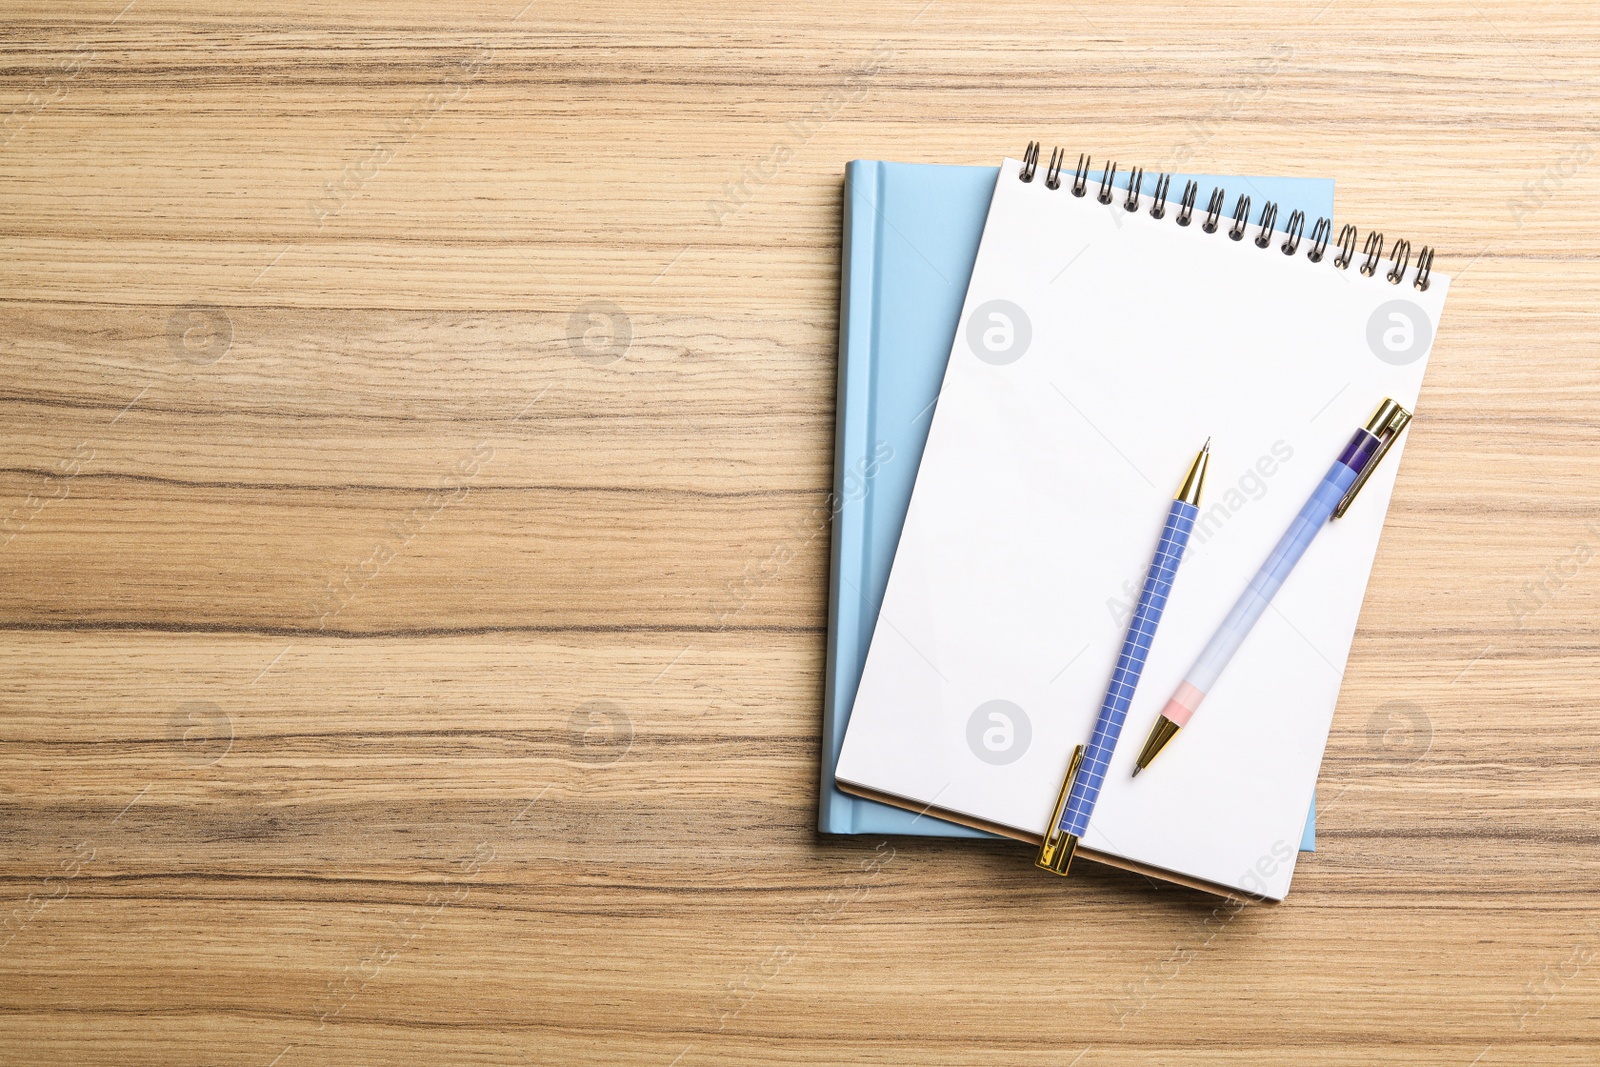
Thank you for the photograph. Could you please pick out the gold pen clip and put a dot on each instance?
(1386, 424)
(1057, 848)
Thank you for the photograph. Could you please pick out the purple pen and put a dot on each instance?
(1338, 488)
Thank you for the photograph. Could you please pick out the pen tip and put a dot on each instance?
(1136, 770)
(1207, 446)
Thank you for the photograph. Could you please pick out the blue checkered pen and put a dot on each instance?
(1088, 769)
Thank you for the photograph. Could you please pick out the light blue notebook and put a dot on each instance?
(911, 233)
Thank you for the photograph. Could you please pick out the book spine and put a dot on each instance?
(857, 313)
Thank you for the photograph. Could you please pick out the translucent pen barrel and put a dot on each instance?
(1130, 665)
(1259, 593)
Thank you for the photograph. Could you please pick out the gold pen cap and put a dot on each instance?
(1388, 422)
(1386, 414)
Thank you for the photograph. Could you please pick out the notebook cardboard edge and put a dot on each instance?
(1188, 882)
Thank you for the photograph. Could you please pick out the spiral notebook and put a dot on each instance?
(1103, 337)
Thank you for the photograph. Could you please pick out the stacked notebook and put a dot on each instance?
(1060, 377)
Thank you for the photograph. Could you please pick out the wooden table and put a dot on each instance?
(403, 409)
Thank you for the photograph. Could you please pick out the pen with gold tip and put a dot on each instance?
(1333, 495)
(1087, 771)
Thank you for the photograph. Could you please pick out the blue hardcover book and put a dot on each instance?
(911, 233)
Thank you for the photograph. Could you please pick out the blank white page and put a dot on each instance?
(1122, 343)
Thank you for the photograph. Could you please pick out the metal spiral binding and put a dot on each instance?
(1241, 215)
(1268, 223)
(1320, 235)
(1030, 161)
(1191, 189)
(1424, 269)
(1294, 228)
(1158, 199)
(1373, 250)
(1052, 177)
(1400, 254)
(1347, 246)
(1080, 177)
(1214, 210)
(1107, 180)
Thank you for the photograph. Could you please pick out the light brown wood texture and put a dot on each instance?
(387, 679)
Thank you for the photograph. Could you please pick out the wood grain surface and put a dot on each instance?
(402, 405)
